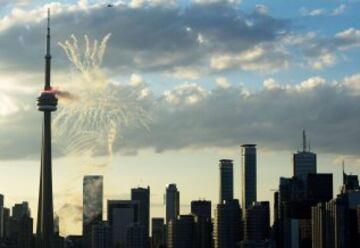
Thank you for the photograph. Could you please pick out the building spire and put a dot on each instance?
(48, 55)
(343, 171)
(304, 140)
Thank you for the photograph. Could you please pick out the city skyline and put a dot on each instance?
(183, 117)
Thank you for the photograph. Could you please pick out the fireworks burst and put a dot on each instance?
(95, 110)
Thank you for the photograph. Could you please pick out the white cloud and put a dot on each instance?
(348, 38)
(222, 82)
(311, 83)
(144, 3)
(323, 12)
(323, 60)
(264, 58)
(217, 1)
(313, 12)
(271, 84)
(187, 73)
(261, 9)
(185, 94)
(353, 83)
(339, 10)
(7, 105)
(136, 80)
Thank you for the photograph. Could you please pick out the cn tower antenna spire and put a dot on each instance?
(48, 55)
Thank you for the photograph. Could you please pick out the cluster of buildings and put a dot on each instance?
(305, 214)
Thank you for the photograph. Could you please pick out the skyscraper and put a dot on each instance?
(257, 221)
(304, 161)
(318, 225)
(226, 180)
(100, 235)
(248, 175)
(181, 232)
(20, 226)
(92, 205)
(158, 234)
(136, 236)
(227, 226)
(203, 224)
(47, 103)
(121, 214)
(142, 195)
(172, 202)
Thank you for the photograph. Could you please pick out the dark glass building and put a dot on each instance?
(227, 226)
(248, 175)
(121, 214)
(304, 161)
(257, 222)
(172, 202)
(203, 224)
(142, 195)
(181, 232)
(158, 234)
(226, 180)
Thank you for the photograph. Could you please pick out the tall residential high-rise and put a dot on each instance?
(226, 180)
(92, 205)
(203, 224)
(121, 214)
(318, 225)
(248, 175)
(227, 225)
(172, 202)
(20, 226)
(47, 103)
(181, 232)
(158, 233)
(304, 162)
(142, 195)
(257, 222)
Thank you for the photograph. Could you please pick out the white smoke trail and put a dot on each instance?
(93, 117)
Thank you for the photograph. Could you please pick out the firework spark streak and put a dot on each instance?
(95, 111)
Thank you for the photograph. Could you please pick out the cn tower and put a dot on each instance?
(46, 103)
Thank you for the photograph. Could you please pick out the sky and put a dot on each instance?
(189, 82)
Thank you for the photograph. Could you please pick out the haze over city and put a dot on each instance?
(186, 83)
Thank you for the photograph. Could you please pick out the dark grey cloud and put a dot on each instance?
(153, 38)
(273, 118)
(191, 117)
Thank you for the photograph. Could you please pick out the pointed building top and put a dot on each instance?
(304, 140)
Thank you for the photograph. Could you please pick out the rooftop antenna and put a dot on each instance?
(343, 171)
(304, 140)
